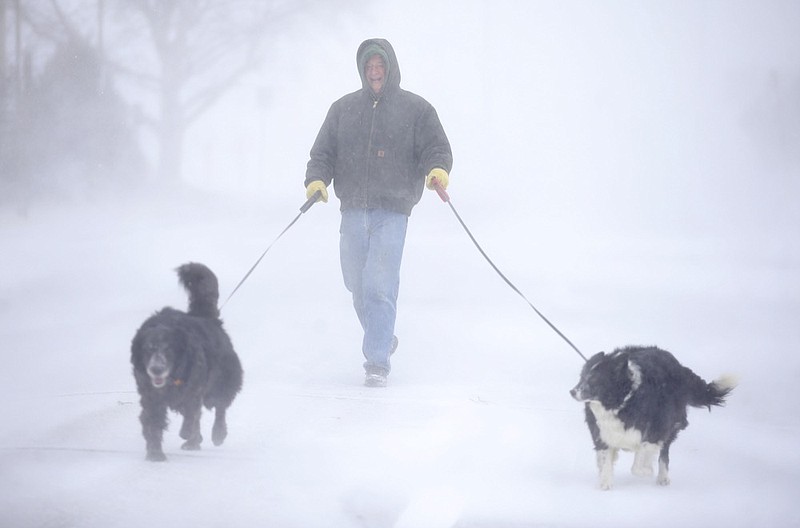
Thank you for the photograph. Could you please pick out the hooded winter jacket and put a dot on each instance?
(378, 148)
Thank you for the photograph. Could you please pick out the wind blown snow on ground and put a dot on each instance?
(476, 428)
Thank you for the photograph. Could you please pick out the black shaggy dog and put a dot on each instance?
(183, 361)
(636, 400)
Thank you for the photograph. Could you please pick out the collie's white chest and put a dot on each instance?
(613, 431)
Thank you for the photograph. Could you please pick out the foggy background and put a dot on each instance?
(685, 115)
(633, 167)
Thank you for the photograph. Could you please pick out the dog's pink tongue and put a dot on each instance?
(159, 382)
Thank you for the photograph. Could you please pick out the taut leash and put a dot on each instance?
(306, 206)
(446, 198)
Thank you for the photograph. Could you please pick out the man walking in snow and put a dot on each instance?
(379, 146)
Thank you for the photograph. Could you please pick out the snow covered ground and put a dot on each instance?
(476, 428)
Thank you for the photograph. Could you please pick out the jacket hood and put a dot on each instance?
(381, 46)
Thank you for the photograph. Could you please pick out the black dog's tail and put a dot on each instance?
(714, 393)
(203, 289)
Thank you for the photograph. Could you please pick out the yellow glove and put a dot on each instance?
(317, 185)
(440, 175)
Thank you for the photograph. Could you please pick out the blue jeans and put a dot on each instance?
(371, 248)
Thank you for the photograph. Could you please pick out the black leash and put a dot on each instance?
(306, 206)
(446, 198)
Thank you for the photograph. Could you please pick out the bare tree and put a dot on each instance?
(64, 129)
(185, 54)
(201, 48)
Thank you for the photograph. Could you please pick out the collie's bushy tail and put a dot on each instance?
(713, 393)
(203, 289)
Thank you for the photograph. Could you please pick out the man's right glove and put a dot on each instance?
(317, 185)
(440, 175)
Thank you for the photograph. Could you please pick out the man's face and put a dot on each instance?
(375, 72)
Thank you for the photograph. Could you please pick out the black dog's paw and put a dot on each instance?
(191, 446)
(156, 456)
(219, 433)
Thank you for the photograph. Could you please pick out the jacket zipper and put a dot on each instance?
(369, 153)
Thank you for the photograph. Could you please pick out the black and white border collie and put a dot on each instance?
(636, 400)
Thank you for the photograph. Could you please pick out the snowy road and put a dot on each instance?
(475, 430)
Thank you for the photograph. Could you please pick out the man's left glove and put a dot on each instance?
(317, 185)
(440, 175)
